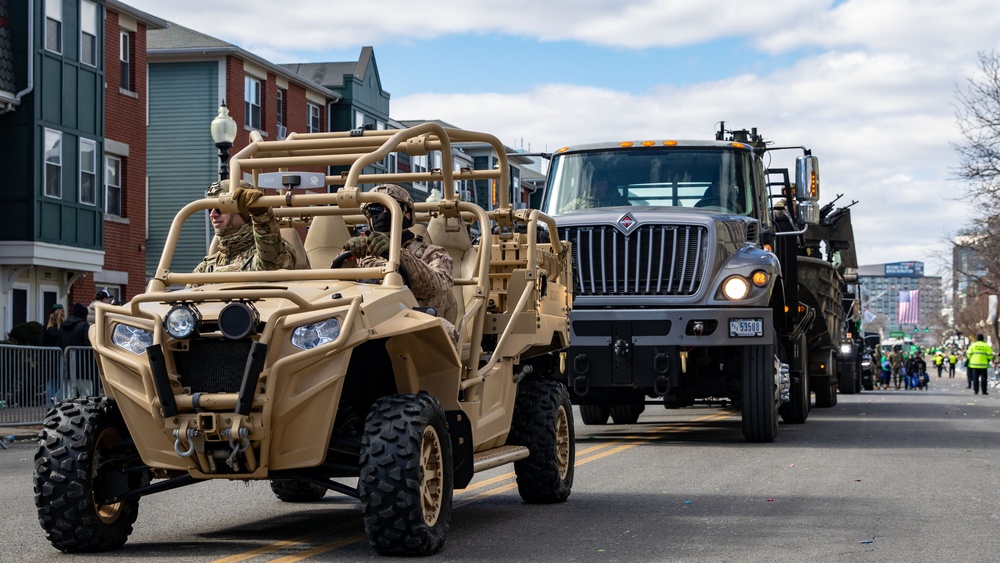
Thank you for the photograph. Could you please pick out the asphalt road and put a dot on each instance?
(883, 476)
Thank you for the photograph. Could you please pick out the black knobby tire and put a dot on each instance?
(627, 413)
(826, 393)
(849, 381)
(294, 490)
(594, 415)
(543, 423)
(407, 475)
(796, 410)
(760, 410)
(68, 462)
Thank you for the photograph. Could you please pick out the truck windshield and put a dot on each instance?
(709, 179)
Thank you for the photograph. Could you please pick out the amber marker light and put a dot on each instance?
(626, 144)
(670, 143)
(768, 248)
(760, 278)
(739, 145)
(649, 143)
(564, 149)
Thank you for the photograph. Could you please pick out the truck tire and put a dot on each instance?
(73, 446)
(796, 410)
(759, 404)
(294, 490)
(627, 413)
(407, 478)
(594, 415)
(826, 392)
(543, 423)
(848, 381)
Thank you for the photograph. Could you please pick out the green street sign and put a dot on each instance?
(896, 334)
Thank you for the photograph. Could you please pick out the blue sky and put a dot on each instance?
(869, 85)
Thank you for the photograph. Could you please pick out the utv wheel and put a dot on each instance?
(759, 404)
(627, 413)
(543, 423)
(71, 464)
(406, 475)
(293, 490)
(594, 415)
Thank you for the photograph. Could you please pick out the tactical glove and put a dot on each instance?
(245, 199)
(378, 244)
(358, 246)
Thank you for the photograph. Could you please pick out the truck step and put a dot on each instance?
(495, 457)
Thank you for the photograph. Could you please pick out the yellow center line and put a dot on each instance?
(615, 446)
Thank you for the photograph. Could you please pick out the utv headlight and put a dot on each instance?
(135, 340)
(181, 321)
(310, 336)
(736, 288)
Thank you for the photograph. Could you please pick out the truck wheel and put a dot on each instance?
(407, 475)
(796, 410)
(627, 413)
(826, 393)
(294, 490)
(594, 415)
(848, 382)
(75, 450)
(543, 423)
(760, 404)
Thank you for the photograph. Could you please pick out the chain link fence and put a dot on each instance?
(34, 378)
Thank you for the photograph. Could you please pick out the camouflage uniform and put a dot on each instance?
(255, 245)
(430, 269)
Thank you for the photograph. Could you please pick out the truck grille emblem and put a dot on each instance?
(626, 223)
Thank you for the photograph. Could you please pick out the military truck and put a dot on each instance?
(308, 376)
(693, 280)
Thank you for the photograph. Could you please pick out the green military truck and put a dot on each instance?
(694, 279)
(310, 376)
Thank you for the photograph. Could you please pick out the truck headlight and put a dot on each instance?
(133, 339)
(845, 349)
(735, 288)
(310, 336)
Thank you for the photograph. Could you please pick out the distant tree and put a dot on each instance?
(977, 113)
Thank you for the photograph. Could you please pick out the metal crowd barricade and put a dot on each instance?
(34, 378)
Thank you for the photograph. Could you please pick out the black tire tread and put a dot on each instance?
(534, 426)
(759, 411)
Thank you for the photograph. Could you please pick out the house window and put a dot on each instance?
(113, 185)
(251, 102)
(88, 172)
(53, 25)
(359, 119)
(281, 113)
(53, 163)
(419, 166)
(125, 61)
(88, 32)
(313, 125)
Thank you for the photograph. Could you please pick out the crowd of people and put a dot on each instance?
(908, 369)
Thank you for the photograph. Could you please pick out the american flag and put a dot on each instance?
(909, 307)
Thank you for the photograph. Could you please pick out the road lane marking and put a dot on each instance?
(599, 451)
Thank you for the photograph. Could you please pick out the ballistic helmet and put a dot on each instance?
(222, 187)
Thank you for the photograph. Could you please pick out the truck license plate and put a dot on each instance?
(746, 327)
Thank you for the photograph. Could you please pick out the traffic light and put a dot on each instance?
(927, 329)
(914, 329)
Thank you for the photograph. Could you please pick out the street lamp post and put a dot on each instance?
(223, 133)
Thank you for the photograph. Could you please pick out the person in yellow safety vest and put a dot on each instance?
(980, 355)
(939, 362)
(952, 360)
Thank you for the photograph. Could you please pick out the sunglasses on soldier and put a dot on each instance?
(375, 209)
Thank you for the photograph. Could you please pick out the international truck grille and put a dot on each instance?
(651, 260)
(213, 366)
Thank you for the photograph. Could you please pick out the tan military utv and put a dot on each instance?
(315, 376)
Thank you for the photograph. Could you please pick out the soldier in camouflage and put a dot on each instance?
(429, 265)
(248, 240)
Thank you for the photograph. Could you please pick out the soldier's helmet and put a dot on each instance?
(397, 193)
(222, 187)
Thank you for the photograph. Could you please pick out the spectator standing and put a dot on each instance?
(980, 355)
(73, 332)
(101, 297)
(50, 337)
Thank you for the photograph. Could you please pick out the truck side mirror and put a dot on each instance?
(807, 178)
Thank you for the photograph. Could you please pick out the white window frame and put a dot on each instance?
(88, 31)
(125, 61)
(55, 163)
(359, 119)
(113, 164)
(91, 173)
(418, 164)
(53, 18)
(252, 97)
(313, 122)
